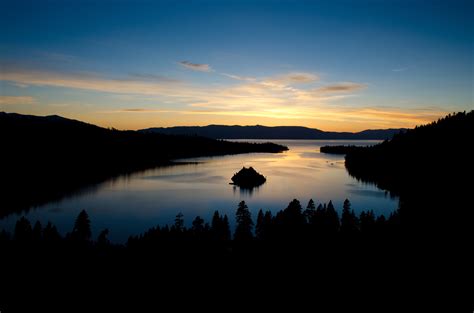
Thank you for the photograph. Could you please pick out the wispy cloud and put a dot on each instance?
(152, 77)
(16, 100)
(241, 78)
(294, 78)
(195, 66)
(20, 85)
(340, 88)
(88, 81)
(401, 69)
(279, 97)
(142, 110)
(383, 117)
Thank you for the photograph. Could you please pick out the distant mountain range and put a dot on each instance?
(267, 132)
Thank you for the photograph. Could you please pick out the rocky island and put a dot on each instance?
(248, 178)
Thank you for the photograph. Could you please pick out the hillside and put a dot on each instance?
(429, 167)
(46, 157)
(436, 149)
(266, 132)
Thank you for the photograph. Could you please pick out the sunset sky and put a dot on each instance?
(332, 65)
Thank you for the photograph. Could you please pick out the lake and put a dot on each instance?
(129, 205)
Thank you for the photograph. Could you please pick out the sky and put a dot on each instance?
(333, 65)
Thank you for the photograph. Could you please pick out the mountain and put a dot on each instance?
(56, 137)
(44, 158)
(267, 132)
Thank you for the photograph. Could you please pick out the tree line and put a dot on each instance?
(293, 223)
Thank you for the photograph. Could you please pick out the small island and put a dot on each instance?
(248, 178)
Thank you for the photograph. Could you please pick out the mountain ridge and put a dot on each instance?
(271, 132)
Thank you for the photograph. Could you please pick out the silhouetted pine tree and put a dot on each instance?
(349, 221)
(265, 229)
(310, 212)
(216, 225)
(82, 227)
(102, 239)
(198, 228)
(318, 222)
(332, 223)
(179, 223)
(220, 227)
(293, 215)
(225, 228)
(50, 233)
(243, 230)
(198, 224)
(259, 228)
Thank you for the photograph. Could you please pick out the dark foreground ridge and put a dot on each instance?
(45, 158)
(248, 178)
(271, 132)
(201, 261)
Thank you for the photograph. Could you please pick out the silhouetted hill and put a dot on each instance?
(266, 132)
(44, 157)
(429, 167)
(441, 148)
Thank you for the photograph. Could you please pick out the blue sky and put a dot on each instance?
(334, 65)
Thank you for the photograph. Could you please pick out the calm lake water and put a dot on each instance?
(131, 204)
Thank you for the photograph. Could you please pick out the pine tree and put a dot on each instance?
(225, 228)
(259, 228)
(82, 227)
(310, 212)
(179, 222)
(332, 223)
(198, 225)
(50, 233)
(349, 221)
(102, 240)
(244, 221)
(293, 215)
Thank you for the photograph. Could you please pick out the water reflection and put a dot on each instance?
(246, 192)
(133, 203)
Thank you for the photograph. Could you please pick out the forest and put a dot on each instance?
(206, 259)
(292, 224)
